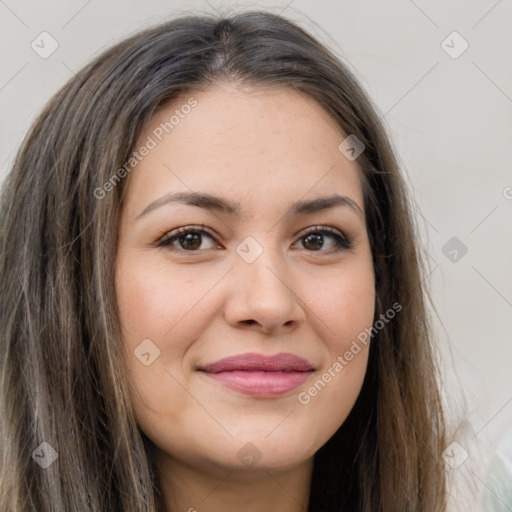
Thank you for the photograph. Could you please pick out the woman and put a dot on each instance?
(212, 294)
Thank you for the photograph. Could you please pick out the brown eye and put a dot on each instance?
(315, 240)
(187, 239)
(190, 241)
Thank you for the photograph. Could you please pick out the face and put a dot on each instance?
(240, 291)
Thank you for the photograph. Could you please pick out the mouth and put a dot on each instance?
(259, 375)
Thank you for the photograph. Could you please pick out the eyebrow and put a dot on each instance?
(210, 202)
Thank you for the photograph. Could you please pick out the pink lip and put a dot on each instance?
(259, 375)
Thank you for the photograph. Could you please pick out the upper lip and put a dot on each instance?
(254, 362)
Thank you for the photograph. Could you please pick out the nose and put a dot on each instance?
(263, 296)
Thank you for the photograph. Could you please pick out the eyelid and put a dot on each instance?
(343, 242)
(167, 235)
(324, 229)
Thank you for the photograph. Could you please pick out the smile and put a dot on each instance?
(259, 375)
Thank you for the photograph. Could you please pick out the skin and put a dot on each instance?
(263, 149)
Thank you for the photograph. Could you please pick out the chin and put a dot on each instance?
(248, 451)
(272, 447)
(263, 455)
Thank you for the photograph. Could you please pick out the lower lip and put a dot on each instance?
(260, 384)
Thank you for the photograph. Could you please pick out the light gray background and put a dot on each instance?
(450, 120)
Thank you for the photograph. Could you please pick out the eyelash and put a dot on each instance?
(342, 242)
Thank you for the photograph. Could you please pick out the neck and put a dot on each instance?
(187, 488)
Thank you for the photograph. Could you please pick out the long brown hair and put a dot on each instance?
(62, 375)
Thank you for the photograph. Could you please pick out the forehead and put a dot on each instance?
(260, 145)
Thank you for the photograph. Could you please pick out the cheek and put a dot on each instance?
(168, 308)
(345, 303)
(353, 307)
(347, 308)
(153, 301)
(157, 306)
